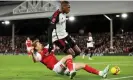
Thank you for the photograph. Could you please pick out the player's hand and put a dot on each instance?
(32, 50)
(50, 49)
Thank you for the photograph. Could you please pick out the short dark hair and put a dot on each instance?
(64, 2)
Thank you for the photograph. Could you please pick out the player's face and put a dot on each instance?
(28, 38)
(89, 34)
(39, 46)
(66, 8)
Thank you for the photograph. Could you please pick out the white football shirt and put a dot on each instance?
(91, 43)
(60, 31)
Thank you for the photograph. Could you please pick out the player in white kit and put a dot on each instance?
(57, 31)
(90, 46)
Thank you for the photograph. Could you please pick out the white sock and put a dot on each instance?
(100, 73)
(83, 56)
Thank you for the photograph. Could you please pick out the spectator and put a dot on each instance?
(121, 43)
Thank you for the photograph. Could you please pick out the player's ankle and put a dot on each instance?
(100, 73)
(72, 71)
(72, 74)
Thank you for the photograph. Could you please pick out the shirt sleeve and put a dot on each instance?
(54, 20)
(55, 17)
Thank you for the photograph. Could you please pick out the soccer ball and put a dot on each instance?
(115, 70)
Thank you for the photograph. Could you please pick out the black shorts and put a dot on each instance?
(91, 48)
(65, 43)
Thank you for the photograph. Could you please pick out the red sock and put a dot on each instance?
(91, 70)
(69, 64)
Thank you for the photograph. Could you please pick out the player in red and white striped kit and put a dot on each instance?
(28, 46)
(65, 66)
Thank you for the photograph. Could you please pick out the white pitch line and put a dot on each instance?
(119, 78)
(109, 62)
(116, 64)
(112, 63)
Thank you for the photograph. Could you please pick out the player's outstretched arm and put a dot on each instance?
(52, 26)
(50, 29)
(33, 58)
(33, 55)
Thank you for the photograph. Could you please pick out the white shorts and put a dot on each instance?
(90, 45)
(28, 49)
(60, 68)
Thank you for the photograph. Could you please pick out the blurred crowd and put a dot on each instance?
(122, 43)
(6, 44)
(19, 44)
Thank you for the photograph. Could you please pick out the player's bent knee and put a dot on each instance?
(69, 57)
(66, 57)
(79, 66)
(82, 65)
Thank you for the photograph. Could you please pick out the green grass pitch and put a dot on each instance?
(21, 67)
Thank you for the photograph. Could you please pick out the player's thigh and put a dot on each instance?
(60, 43)
(86, 50)
(72, 44)
(79, 66)
(70, 41)
(59, 68)
(64, 46)
(92, 49)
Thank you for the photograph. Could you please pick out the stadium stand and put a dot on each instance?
(122, 43)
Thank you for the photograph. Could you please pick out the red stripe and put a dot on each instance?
(56, 13)
(62, 42)
(55, 16)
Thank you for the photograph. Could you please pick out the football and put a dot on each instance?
(115, 70)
